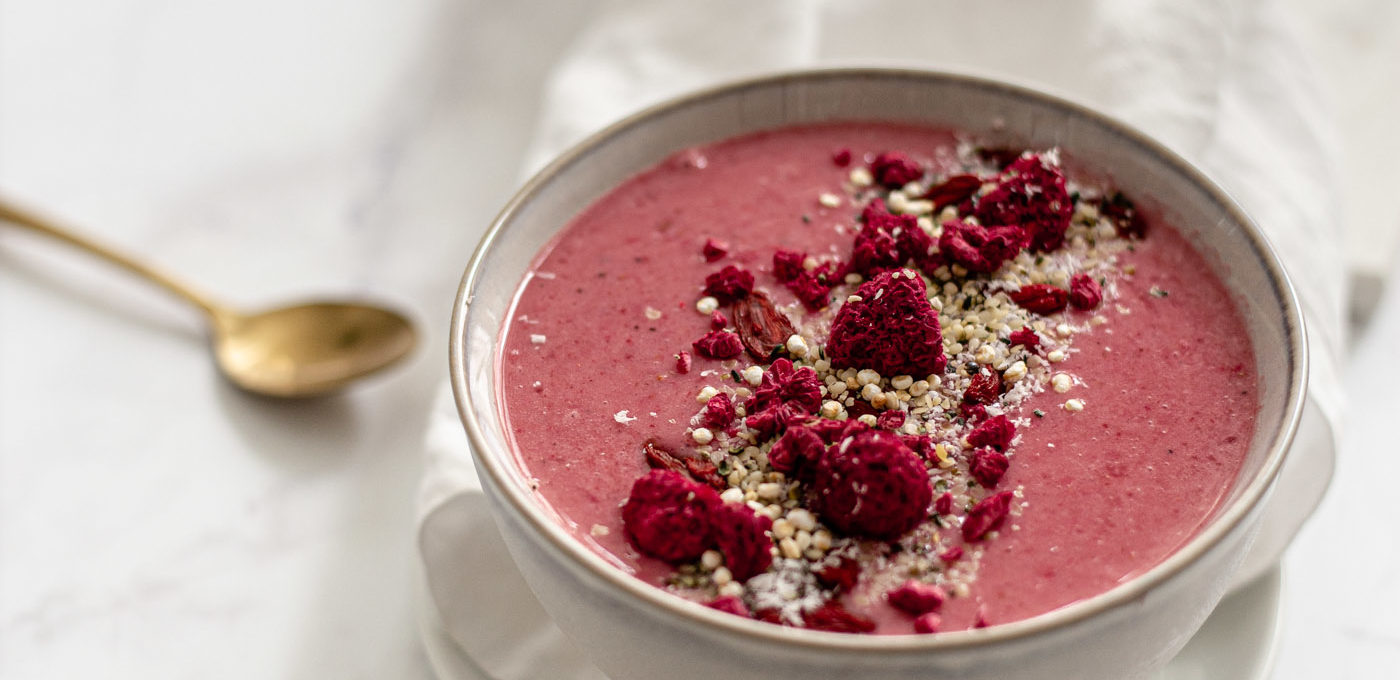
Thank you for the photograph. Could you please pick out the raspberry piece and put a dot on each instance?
(980, 249)
(894, 170)
(1040, 298)
(813, 288)
(887, 241)
(742, 535)
(972, 412)
(1025, 338)
(986, 516)
(875, 251)
(714, 250)
(1084, 292)
(951, 555)
(841, 577)
(832, 431)
(890, 420)
(871, 485)
(892, 328)
(729, 284)
(668, 516)
(995, 433)
(719, 412)
(719, 345)
(796, 453)
(920, 444)
(729, 605)
(944, 504)
(841, 157)
(835, 618)
(1030, 194)
(1125, 216)
(915, 597)
(799, 387)
(774, 421)
(926, 624)
(985, 388)
(988, 466)
(787, 264)
(683, 362)
(982, 621)
(953, 190)
(718, 320)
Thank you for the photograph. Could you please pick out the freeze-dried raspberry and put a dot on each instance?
(894, 170)
(841, 577)
(926, 624)
(871, 485)
(972, 412)
(875, 250)
(787, 264)
(951, 555)
(774, 421)
(719, 345)
(832, 431)
(890, 420)
(995, 433)
(916, 597)
(980, 249)
(718, 320)
(1025, 338)
(729, 284)
(668, 516)
(1040, 298)
(683, 362)
(984, 389)
(1084, 292)
(944, 504)
(982, 620)
(887, 241)
(729, 604)
(921, 444)
(799, 387)
(714, 250)
(742, 535)
(952, 191)
(892, 328)
(988, 466)
(1126, 218)
(1030, 194)
(837, 619)
(796, 453)
(986, 516)
(813, 287)
(719, 412)
(841, 157)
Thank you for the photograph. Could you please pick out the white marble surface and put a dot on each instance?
(155, 522)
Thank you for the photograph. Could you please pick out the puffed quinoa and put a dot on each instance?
(1061, 382)
(702, 435)
(706, 393)
(1074, 405)
(706, 305)
(711, 559)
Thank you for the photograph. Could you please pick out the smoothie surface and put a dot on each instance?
(1164, 379)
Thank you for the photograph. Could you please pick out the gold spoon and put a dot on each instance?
(299, 351)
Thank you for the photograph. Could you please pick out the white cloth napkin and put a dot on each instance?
(1222, 83)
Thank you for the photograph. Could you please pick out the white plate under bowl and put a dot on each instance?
(1237, 642)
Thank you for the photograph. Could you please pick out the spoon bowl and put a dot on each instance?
(310, 349)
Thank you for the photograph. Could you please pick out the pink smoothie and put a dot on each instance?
(1166, 379)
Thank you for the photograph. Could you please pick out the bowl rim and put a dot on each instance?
(661, 602)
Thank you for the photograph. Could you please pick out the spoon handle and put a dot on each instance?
(19, 217)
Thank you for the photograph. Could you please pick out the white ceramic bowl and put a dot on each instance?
(634, 630)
